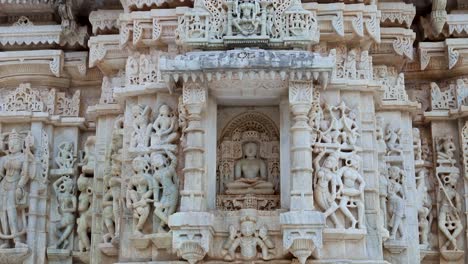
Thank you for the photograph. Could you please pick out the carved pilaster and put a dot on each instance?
(300, 100)
(193, 196)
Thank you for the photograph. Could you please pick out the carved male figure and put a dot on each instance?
(65, 158)
(396, 198)
(164, 128)
(84, 211)
(449, 211)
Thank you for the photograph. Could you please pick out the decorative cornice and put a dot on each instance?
(105, 52)
(458, 24)
(144, 4)
(28, 34)
(400, 40)
(104, 20)
(397, 13)
(427, 50)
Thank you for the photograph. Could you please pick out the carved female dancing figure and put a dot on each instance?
(164, 167)
(449, 210)
(139, 194)
(64, 189)
(326, 185)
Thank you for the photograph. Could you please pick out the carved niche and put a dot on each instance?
(246, 128)
(215, 23)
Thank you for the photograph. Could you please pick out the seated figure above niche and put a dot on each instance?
(248, 163)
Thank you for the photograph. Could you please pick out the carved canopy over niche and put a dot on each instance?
(251, 126)
(219, 23)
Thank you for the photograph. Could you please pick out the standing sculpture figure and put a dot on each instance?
(449, 211)
(64, 189)
(396, 197)
(327, 185)
(350, 195)
(424, 206)
(84, 211)
(14, 176)
(140, 122)
(164, 167)
(139, 194)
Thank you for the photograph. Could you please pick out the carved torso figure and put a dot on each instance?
(250, 173)
(396, 198)
(84, 211)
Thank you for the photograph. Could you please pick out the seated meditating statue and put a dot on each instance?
(250, 174)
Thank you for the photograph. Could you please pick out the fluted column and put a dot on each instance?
(300, 101)
(193, 197)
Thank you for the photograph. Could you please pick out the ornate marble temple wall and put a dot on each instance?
(233, 131)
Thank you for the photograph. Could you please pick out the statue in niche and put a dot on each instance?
(113, 181)
(417, 148)
(426, 150)
(140, 193)
(166, 180)
(392, 139)
(84, 212)
(65, 158)
(383, 194)
(396, 198)
(445, 151)
(64, 189)
(248, 239)
(250, 173)
(380, 134)
(350, 195)
(108, 215)
(164, 129)
(424, 207)
(140, 123)
(326, 184)
(450, 208)
(246, 16)
(350, 65)
(16, 169)
(88, 154)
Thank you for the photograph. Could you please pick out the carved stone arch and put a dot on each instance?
(251, 126)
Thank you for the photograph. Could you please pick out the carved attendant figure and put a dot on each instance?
(139, 194)
(248, 241)
(64, 189)
(14, 176)
(250, 173)
(165, 175)
(392, 138)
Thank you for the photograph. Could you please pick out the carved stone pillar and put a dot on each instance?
(302, 227)
(192, 227)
